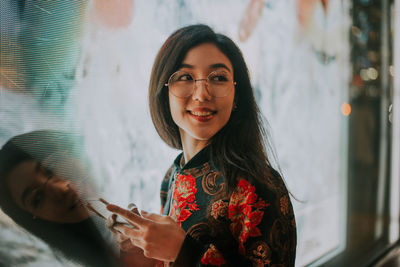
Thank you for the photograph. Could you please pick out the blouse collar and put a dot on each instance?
(198, 160)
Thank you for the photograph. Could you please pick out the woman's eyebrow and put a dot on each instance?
(184, 65)
(212, 66)
(219, 65)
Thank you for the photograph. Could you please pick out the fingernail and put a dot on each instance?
(131, 206)
(110, 207)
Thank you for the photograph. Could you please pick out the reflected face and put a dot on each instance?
(45, 194)
(201, 115)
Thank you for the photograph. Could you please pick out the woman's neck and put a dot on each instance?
(192, 146)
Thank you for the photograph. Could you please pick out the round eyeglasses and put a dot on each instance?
(182, 83)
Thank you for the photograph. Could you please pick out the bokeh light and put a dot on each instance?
(346, 109)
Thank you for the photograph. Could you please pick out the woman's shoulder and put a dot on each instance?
(270, 185)
(265, 193)
(274, 181)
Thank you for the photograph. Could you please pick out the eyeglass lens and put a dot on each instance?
(182, 84)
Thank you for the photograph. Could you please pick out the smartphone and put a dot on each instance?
(98, 207)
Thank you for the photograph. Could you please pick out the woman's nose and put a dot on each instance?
(201, 91)
(58, 189)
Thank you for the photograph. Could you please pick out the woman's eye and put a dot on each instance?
(185, 77)
(49, 173)
(49, 176)
(218, 78)
(39, 193)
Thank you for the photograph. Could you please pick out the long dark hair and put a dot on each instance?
(239, 149)
(80, 241)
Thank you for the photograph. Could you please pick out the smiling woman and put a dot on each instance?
(38, 195)
(222, 202)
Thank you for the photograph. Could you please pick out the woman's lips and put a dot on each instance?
(202, 114)
(74, 199)
(76, 204)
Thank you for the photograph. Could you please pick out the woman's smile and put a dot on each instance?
(202, 114)
(77, 203)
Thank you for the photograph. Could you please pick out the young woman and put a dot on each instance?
(222, 202)
(37, 170)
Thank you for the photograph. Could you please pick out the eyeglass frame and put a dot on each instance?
(194, 84)
(42, 187)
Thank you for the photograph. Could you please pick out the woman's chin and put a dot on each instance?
(202, 135)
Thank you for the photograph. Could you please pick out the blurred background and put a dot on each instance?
(324, 72)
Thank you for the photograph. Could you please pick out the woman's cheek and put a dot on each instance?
(176, 111)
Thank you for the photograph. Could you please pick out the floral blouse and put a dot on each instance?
(252, 226)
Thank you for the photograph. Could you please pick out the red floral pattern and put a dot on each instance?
(184, 198)
(245, 212)
(219, 209)
(213, 257)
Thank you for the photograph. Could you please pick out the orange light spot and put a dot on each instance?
(114, 14)
(346, 109)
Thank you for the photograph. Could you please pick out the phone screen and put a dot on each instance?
(98, 207)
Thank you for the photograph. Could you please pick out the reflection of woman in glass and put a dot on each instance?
(226, 205)
(37, 192)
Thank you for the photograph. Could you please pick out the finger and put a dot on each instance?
(153, 216)
(126, 225)
(132, 207)
(128, 215)
(127, 231)
(158, 218)
(104, 201)
(111, 220)
(120, 238)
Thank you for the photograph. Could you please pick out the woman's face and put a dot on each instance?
(201, 115)
(46, 195)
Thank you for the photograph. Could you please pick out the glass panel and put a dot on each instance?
(395, 167)
(369, 179)
(84, 67)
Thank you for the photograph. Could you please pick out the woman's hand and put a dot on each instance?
(160, 237)
(130, 255)
(123, 241)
